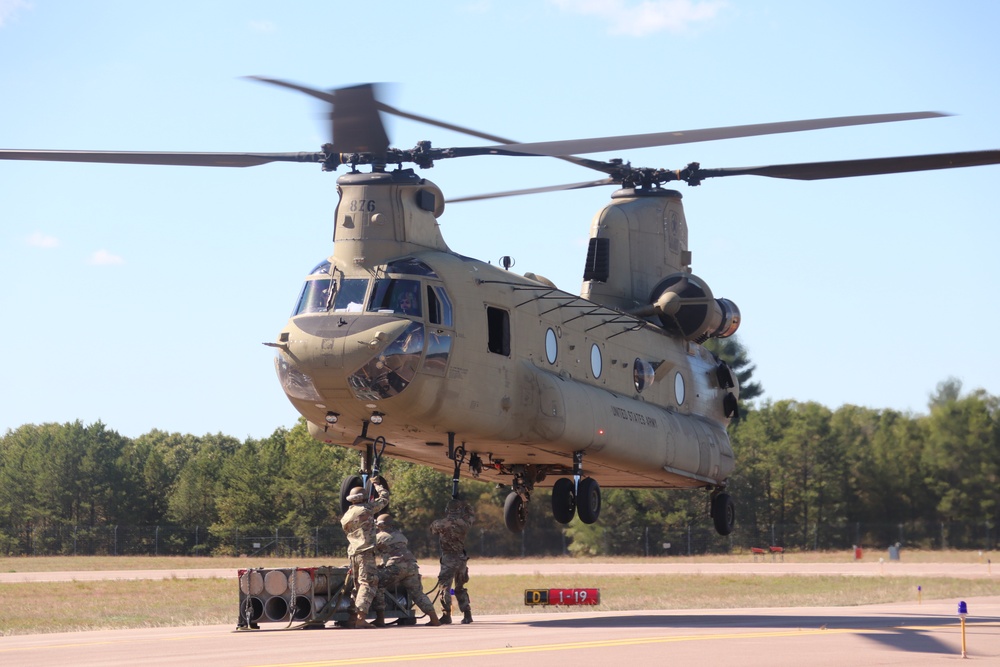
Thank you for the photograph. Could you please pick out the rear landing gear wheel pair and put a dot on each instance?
(723, 513)
(568, 499)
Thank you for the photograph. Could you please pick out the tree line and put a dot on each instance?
(807, 477)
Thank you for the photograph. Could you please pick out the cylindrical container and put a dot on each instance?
(276, 608)
(276, 582)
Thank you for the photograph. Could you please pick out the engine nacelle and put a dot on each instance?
(684, 304)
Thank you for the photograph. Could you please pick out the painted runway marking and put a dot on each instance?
(574, 646)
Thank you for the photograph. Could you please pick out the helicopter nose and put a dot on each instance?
(322, 348)
(361, 346)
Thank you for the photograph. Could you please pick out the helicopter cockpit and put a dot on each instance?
(316, 295)
(405, 289)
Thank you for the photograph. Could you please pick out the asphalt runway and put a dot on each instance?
(893, 634)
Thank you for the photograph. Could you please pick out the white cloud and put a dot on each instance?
(9, 8)
(40, 240)
(637, 19)
(477, 7)
(262, 27)
(104, 258)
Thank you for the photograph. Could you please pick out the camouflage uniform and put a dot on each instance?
(399, 567)
(454, 561)
(359, 526)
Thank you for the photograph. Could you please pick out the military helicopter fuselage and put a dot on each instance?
(399, 337)
(399, 346)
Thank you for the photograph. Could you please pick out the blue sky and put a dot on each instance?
(140, 296)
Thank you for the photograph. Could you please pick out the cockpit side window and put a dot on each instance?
(438, 306)
(397, 295)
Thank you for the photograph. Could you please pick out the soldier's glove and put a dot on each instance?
(380, 480)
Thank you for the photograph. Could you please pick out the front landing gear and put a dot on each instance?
(515, 512)
(723, 512)
(515, 507)
(371, 459)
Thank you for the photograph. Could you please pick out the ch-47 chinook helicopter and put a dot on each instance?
(398, 344)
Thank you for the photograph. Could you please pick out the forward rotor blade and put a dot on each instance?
(535, 191)
(602, 167)
(354, 112)
(629, 142)
(161, 158)
(330, 98)
(318, 94)
(812, 171)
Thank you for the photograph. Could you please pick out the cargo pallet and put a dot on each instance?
(308, 598)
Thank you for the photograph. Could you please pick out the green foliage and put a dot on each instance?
(806, 477)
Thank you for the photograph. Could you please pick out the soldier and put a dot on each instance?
(459, 517)
(359, 526)
(399, 568)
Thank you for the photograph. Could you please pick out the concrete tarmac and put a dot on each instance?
(892, 634)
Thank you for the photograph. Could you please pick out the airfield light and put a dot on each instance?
(963, 611)
(332, 417)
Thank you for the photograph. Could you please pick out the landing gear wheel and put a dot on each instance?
(515, 513)
(349, 483)
(723, 513)
(588, 500)
(563, 500)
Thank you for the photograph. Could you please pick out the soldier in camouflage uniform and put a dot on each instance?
(359, 526)
(399, 568)
(459, 517)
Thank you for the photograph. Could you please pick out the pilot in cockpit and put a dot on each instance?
(406, 303)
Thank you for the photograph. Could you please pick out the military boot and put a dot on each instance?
(359, 621)
(467, 618)
(379, 619)
(446, 617)
(434, 618)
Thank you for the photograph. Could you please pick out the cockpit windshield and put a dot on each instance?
(396, 295)
(322, 293)
(350, 296)
(314, 297)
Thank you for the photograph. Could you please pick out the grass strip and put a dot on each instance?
(34, 608)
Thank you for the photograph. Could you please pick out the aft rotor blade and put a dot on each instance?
(633, 141)
(812, 171)
(162, 158)
(535, 191)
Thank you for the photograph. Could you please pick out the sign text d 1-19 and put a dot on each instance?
(562, 596)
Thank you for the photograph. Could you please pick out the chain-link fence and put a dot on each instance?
(650, 540)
